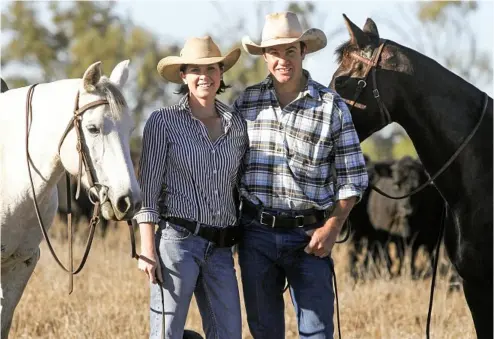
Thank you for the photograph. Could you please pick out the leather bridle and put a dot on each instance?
(372, 65)
(362, 83)
(74, 123)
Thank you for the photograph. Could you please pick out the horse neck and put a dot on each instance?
(439, 111)
(52, 108)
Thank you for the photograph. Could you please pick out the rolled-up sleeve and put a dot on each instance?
(350, 169)
(152, 167)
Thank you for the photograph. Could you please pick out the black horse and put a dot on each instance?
(383, 81)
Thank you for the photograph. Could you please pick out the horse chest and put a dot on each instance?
(21, 234)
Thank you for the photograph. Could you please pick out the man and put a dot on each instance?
(303, 174)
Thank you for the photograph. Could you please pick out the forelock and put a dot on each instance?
(112, 93)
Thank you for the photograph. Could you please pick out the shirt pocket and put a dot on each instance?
(309, 149)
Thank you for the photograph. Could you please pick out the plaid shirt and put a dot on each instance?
(306, 155)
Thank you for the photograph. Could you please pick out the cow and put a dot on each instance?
(412, 222)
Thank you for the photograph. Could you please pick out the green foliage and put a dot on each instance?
(404, 147)
(77, 35)
(385, 149)
(436, 10)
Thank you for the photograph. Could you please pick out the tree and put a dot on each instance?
(78, 34)
(441, 30)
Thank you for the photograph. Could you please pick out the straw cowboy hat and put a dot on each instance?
(196, 51)
(284, 28)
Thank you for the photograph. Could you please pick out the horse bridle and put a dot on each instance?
(386, 117)
(362, 83)
(372, 65)
(74, 123)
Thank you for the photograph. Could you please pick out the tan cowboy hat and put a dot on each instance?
(196, 51)
(284, 28)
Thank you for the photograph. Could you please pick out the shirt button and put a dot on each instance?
(216, 192)
(213, 151)
(215, 171)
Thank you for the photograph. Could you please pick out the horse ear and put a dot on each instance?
(91, 76)
(370, 27)
(120, 73)
(357, 36)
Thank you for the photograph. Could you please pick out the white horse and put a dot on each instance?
(105, 131)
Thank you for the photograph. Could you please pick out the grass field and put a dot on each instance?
(110, 300)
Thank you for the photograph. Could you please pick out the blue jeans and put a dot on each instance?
(190, 264)
(310, 280)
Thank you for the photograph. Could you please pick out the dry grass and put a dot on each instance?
(110, 300)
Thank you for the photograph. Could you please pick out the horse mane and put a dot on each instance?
(113, 94)
(340, 50)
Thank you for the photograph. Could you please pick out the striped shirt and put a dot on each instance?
(197, 179)
(306, 155)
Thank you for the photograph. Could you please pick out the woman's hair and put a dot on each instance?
(184, 88)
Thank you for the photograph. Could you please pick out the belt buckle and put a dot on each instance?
(262, 218)
(300, 217)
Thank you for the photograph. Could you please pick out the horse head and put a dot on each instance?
(370, 77)
(102, 131)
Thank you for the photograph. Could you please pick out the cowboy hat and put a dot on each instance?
(196, 51)
(284, 28)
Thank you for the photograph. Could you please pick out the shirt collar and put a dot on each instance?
(223, 110)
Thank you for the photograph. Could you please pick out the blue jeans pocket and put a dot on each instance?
(174, 232)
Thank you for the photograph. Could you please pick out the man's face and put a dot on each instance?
(285, 61)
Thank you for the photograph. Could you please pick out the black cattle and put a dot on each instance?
(378, 221)
(367, 240)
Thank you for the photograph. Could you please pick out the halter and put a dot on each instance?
(371, 66)
(75, 123)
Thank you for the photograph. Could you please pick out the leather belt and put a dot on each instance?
(221, 237)
(270, 218)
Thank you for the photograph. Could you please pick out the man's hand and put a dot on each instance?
(322, 241)
(323, 238)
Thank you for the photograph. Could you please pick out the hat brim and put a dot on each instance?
(314, 39)
(169, 67)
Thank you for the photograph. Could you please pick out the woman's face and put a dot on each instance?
(203, 80)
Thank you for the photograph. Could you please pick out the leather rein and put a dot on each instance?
(75, 123)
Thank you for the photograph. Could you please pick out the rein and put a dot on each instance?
(372, 65)
(83, 158)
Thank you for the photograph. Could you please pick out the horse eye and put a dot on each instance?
(92, 129)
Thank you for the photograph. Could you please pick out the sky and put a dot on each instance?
(175, 21)
(178, 20)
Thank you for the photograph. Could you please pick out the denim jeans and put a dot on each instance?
(190, 264)
(310, 280)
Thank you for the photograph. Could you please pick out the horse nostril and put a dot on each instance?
(124, 204)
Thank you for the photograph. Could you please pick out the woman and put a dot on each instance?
(191, 157)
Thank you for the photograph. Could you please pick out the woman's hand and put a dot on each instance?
(148, 263)
(148, 259)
